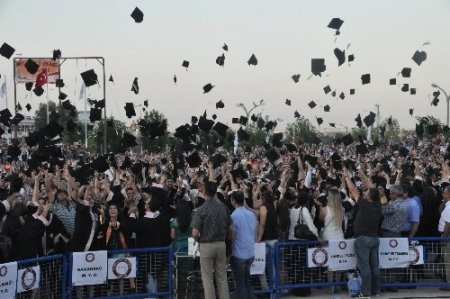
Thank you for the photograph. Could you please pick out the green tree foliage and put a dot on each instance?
(153, 131)
(113, 136)
(301, 131)
(257, 136)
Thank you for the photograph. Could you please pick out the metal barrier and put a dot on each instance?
(188, 280)
(153, 277)
(53, 273)
(292, 272)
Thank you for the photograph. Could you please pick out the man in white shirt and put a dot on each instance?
(444, 229)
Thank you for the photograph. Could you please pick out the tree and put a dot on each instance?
(153, 131)
(113, 136)
(301, 131)
(40, 116)
(257, 136)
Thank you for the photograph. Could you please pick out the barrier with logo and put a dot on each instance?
(188, 280)
(416, 262)
(129, 273)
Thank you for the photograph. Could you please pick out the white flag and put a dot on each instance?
(3, 90)
(82, 92)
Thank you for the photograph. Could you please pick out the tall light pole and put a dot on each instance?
(447, 97)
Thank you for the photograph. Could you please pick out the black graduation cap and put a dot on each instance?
(333, 94)
(260, 122)
(332, 125)
(358, 121)
(351, 57)
(207, 88)
(433, 129)
(38, 91)
(17, 119)
(205, 124)
(340, 55)
(319, 120)
(327, 89)
(60, 83)
(111, 79)
(312, 104)
(135, 86)
(365, 79)
(390, 120)
(221, 129)
(194, 119)
(54, 116)
(137, 15)
(31, 66)
(53, 129)
(270, 125)
(100, 164)
(214, 116)
(326, 108)
(392, 81)
(411, 111)
(243, 135)
(419, 57)
(128, 140)
(312, 160)
(412, 91)
(217, 160)
(252, 60)
(342, 96)
(221, 60)
(67, 105)
(220, 104)
(288, 102)
(5, 116)
(352, 91)
(277, 139)
(28, 86)
(272, 155)
(146, 103)
(56, 54)
(296, 78)
(362, 149)
(243, 120)
(129, 109)
(194, 160)
(369, 119)
(403, 152)
(6, 51)
(225, 47)
(175, 79)
(318, 66)
(185, 64)
(28, 106)
(291, 147)
(296, 114)
(235, 120)
(406, 72)
(89, 77)
(71, 126)
(95, 114)
(405, 87)
(62, 96)
(335, 23)
(110, 123)
(18, 107)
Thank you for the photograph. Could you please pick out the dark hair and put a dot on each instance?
(184, 215)
(238, 197)
(210, 188)
(302, 198)
(374, 194)
(153, 205)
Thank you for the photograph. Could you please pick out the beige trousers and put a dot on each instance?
(213, 261)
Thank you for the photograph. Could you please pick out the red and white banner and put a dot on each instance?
(47, 66)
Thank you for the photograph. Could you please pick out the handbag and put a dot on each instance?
(302, 231)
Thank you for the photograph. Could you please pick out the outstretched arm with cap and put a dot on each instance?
(351, 187)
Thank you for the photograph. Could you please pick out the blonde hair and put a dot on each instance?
(335, 204)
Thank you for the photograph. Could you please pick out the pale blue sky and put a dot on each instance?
(284, 35)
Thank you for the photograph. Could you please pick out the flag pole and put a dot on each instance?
(85, 122)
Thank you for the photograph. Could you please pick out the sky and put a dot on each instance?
(284, 35)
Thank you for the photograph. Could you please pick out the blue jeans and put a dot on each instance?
(241, 276)
(366, 251)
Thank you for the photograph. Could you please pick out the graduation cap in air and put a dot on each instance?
(89, 77)
(362, 149)
(419, 57)
(312, 104)
(312, 160)
(333, 94)
(327, 89)
(137, 15)
(243, 120)
(252, 60)
(352, 91)
(433, 129)
(342, 95)
(326, 108)
(135, 86)
(340, 55)
(38, 91)
(207, 88)
(205, 124)
(406, 72)
(411, 111)
(194, 119)
(318, 66)
(403, 152)
(296, 114)
(28, 106)
(369, 119)
(185, 64)
(18, 107)
(129, 109)
(270, 125)
(221, 60)
(347, 139)
(405, 87)
(351, 58)
(56, 54)
(17, 119)
(277, 139)
(127, 140)
(358, 121)
(412, 91)
(221, 129)
(288, 102)
(6, 51)
(146, 103)
(100, 164)
(28, 86)
(175, 79)
(272, 155)
(220, 104)
(60, 83)
(260, 123)
(243, 135)
(95, 114)
(365, 79)
(194, 160)
(62, 96)
(296, 78)
(225, 47)
(53, 129)
(71, 126)
(335, 24)
(214, 116)
(332, 125)
(31, 66)
(235, 120)
(392, 81)
(319, 120)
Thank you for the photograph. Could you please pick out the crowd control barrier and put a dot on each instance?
(300, 264)
(188, 280)
(130, 273)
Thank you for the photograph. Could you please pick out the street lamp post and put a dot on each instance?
(447, 98)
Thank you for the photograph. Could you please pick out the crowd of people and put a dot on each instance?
(227, 202)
